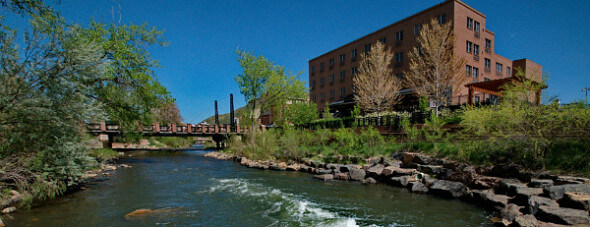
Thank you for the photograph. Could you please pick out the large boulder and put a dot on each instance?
(324, 177)
(487, 198)
(376, 170)
(524, 194)
(394, 163)
(448, 189)
(557, 192)
(505, 171)
(534, 202)
(509, 186)
(357, 174)
(421, 159)
(408, 158)
(484, 182)
(561, 180)
(566, 216)
(346, 168)
(317, 164)
(576, 200)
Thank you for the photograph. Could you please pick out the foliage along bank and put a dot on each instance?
(59, 77)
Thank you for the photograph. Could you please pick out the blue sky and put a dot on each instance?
(199, 64)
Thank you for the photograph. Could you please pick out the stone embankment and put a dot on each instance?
(522, 198)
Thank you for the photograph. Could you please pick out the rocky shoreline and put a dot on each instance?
(521, 198)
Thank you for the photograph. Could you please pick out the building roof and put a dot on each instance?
(401, 21)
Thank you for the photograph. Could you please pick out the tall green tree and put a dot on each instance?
(281, 89)
(256, 71)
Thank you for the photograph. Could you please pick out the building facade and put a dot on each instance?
(330, 75)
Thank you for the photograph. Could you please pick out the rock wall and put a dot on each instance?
(522, 198)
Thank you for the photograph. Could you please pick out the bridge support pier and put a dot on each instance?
(106, 139)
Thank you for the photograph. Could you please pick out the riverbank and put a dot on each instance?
(521, 198)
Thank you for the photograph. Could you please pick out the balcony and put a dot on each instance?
(488, 50)
(476, 57)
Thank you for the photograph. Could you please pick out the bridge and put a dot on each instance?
(219, 132)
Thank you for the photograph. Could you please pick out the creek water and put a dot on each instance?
(187, 189)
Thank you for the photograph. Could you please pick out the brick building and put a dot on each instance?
(330, 75)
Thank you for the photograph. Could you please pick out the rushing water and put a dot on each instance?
(185, 188)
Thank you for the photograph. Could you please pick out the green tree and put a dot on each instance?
(281, 89)
(256, 71)
(300, 113)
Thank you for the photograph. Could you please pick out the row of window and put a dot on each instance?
(399, 36)
(332, 94)
(331, 78)
(472, 24)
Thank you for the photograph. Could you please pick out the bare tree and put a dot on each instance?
(434, 69)
(168, 113)
(376, 87)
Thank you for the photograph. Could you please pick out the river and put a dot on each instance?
(187, 189)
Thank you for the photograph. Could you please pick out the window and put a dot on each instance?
(353, 54)
(312, 70)
(342, 58)
(342, 91)
(499, 69)
(486, 79)
(354, 70)
(367, 48)
(331, 63)
(399, 36)
(383, 40)
(475, 49)
(476, 26)
(322, 82)
(312, 84)
(469, 23)
(476, 98)
(313, 97)
(488, 44)
(331, 94)
(442, 19)
(475, 72)
(487, 63)
(469, 45)
(508, 71)
(331, 78)
(469, 70)
(322, 95)
(420, 51)
(417, 29)
(321, 67)
(342, 75)
(399, 57)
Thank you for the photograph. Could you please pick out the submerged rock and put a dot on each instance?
(8, 210)
(324, 177)
(369, 180)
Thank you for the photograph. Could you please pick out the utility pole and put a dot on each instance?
(216, 114)
(232, 122)
(586, 89)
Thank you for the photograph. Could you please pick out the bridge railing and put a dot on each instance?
(106, 127)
